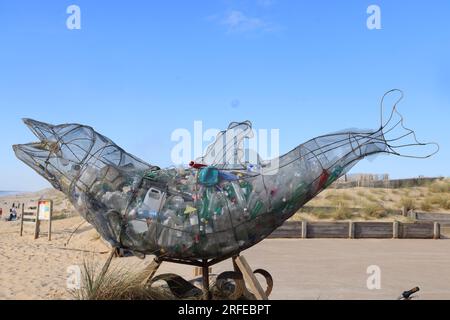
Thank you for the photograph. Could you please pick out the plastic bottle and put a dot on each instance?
(204, 212)
(208, 228)
(246, 188)
(187, 241)
(239, 196)
(177, 203)
(256, 209)
(221, 220)
(334, 175)
(88, 176)
(193, 219)
(323, 179)
(154, 199)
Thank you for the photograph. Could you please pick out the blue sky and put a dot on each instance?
(138, 70)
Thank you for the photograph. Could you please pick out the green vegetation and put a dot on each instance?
(342, 212)
(371, 197)
(426, 205)
(360, 193)
(374, 210)
(345, 196)
(408, 203)
(379, 203)
(440, 186)
(117, 283)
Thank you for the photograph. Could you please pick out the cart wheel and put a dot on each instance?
(239, 285)
(269, 280)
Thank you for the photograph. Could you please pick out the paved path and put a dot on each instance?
(337, 269)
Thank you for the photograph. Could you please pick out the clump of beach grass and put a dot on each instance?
(370, 197)
(345, 196)
(361, 193)
(342, 212)
(439, 200)
(320, 214)
(440, 186)
(407, 203)
(445, 203)
(374, 210)
(426, 205)
(115, 283)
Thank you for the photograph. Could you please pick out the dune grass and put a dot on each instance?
(343, 212)
(426, 205)
(117, 283)
(440, 186)
(374, 210)
(378, 203)
(408, 203)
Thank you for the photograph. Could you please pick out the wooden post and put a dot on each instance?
(437, 231)
(304, 229)
(50, 221)
(404, 212)
(351, 230)
(235, 266)
(36, 225)
(250, 278)
(21, 219)
(198, 271)
(150, 270)
(205, 278)
(412, 214)
(395, 229)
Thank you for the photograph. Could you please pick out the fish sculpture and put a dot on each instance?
(217, 207)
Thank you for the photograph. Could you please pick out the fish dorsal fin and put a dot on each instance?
(228, 151)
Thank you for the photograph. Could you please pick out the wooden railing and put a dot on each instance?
(358, 230)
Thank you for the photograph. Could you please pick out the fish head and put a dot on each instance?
(59, 154)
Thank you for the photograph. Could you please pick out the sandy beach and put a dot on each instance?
(37, 269)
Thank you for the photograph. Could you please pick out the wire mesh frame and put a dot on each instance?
(311, 150)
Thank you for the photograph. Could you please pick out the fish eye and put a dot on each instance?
(76, 167)
(53, 147)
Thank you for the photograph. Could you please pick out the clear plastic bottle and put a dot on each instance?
(239, 195)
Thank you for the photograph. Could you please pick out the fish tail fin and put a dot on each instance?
(399, 139)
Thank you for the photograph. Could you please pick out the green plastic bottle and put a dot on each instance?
(256, 209)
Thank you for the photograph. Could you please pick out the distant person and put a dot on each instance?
(12, 214)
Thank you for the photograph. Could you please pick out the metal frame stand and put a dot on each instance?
(240, 266)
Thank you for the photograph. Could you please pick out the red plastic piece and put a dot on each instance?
(194, 165)
(323, 179)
